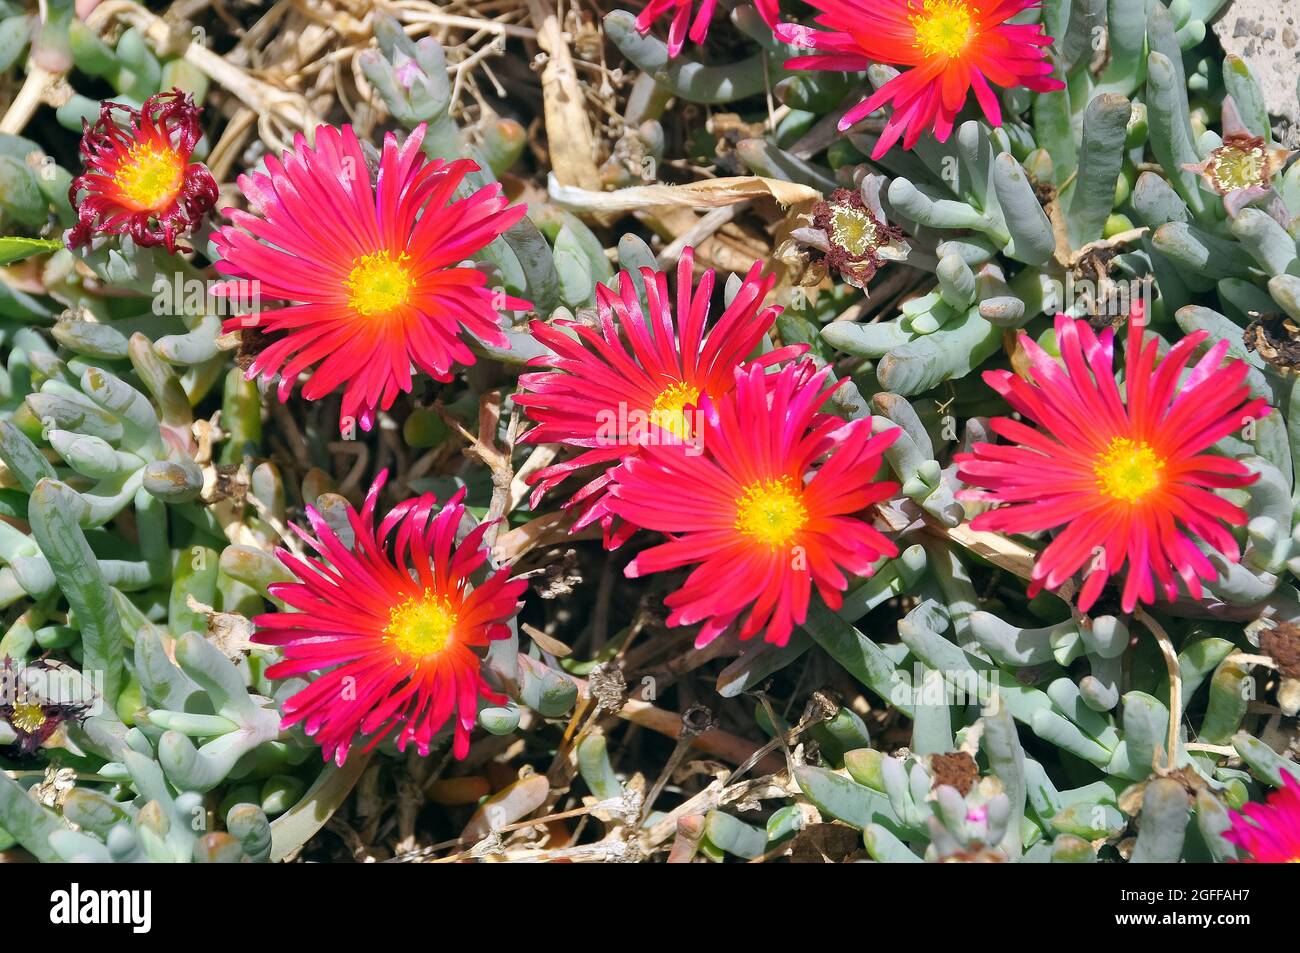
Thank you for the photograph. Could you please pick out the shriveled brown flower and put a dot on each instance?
(1275, 338)
(955, 768)
(850, 229)
(1282, 644)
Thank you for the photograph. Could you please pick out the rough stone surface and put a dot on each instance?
(1266, 34)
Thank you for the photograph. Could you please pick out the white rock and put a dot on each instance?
(1266, 34)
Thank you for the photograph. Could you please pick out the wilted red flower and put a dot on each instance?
(951, 47)
(34, 714)
(775, 505)
(139, 180)
(1243, 167)
(391, 624)
(699, 26)
(851, 230)
(372, 267)
(640, 378)
(1126, 475)
(1269, 833)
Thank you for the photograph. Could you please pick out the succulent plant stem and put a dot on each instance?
(1175, 682)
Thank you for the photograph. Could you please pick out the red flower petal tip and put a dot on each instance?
(1269, 833)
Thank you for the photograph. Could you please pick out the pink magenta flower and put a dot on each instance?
(372, 268)
(775, 505)
(390, 625)
(698, 27)
(638, 377)
(1269, 833)
(139, 179)
(950, 47)
(1125, 474)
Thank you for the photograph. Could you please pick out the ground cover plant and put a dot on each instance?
(849, 430)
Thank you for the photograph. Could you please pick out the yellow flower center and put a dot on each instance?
(771, 511)
(150, 177)
(378, 283)
(669, 408)
(1128, 470)
(942, 27)
(1233, 168)
(421, 627)
(853, 230)
(27, 717)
